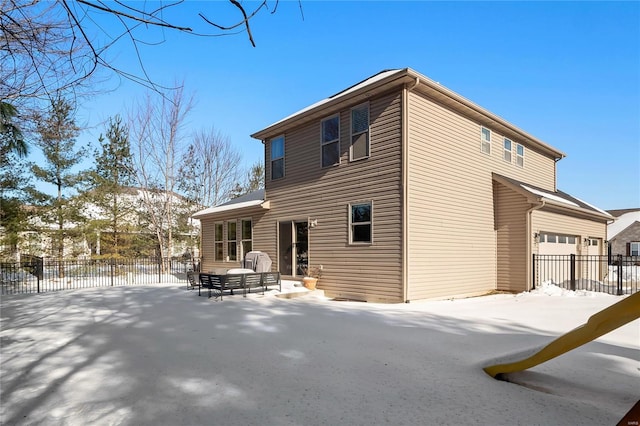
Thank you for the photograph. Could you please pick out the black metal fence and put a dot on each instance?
(616, 275)
(36, 275)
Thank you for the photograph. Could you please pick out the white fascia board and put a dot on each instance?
(229, 207)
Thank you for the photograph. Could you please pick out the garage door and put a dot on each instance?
(557, 244)
(555, 265)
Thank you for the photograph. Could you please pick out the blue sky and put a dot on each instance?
(566, 72)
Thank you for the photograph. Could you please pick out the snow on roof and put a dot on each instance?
(381, 75)
(594, 207)
(622, 223)
(550, 196)
(251, 199)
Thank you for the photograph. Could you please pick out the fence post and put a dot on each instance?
(533, 271)
(112, 265)
(573, 272)
(39, 270)
(160, 259)
(620, 275)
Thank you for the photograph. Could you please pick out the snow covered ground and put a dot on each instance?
(161, 355)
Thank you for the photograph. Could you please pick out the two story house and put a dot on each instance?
(400, 189)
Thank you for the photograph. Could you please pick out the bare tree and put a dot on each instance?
(209, 169)
(50, 47)
(158, 140)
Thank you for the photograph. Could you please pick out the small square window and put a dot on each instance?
(485, 140)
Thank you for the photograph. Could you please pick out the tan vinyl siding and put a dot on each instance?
(553, 221)
(452, 242)
(364, 272)
(208, 263)
(556, 222)
(511, 239)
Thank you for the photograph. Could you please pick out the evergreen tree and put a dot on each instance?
(56, 137)
(111, 178)
(14, 183)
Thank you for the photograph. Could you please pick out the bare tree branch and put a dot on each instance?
(51, 47)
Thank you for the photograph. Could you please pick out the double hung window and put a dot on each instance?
(232, 247)
(519, 155)
(247, 237)
(506, 155)
(634, 248)
(330, 128)
(218, 243)
(359, 132)
(360, 223)
(485, 140)
(277, 158)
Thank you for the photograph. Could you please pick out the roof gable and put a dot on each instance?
(398, 78)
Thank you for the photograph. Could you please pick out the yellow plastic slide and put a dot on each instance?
(616, 315)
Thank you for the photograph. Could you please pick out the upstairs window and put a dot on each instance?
(218, 243)
(506, 154)
(359, 132)
(519, 155)
(232, 246)
(330, 141)
(485, 140)
(634, 248)
(360, 223)
(277, 158)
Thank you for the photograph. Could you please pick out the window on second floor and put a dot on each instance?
(634, 248)
(485, 140)
(506, 155)
(330, 141)
(277, 158)
(519, 155)
(359, 132)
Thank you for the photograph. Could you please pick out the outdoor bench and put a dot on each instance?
(217, 284)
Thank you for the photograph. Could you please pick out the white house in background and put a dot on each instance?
(624, 233)
(84, 243)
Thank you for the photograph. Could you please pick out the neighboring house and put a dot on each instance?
(624, 233)
(400, 189)
(84, 239)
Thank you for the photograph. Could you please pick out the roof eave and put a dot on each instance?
(591, 213)
(212, 212)
(359, 95)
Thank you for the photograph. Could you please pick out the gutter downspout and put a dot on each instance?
(405, 192)
(529, 243)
